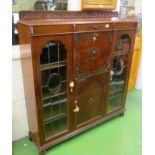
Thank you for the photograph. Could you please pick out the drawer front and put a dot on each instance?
(93, 27)
(92, 52)
(47, 30)
(125, 25)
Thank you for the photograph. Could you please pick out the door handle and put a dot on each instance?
(71, 86)
(76, 109)
(111, 74)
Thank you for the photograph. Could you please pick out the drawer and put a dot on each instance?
(52, 29)
(125, 25)
(93, 27)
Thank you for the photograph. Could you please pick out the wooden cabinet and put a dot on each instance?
(75, 71)
(99, 4)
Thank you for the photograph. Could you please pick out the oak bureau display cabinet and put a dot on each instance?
(76, 69)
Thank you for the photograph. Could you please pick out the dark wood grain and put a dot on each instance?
(91, 95)
(89, 62)
(24, 15)
(85, 61)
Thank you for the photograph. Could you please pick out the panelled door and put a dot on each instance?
(91, 76)
(90, 99)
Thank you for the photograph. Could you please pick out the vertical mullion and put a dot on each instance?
(59, 73)
(49, 71)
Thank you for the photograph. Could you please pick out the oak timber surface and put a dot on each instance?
(71, 21)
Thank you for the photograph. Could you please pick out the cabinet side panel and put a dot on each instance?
(28, 79)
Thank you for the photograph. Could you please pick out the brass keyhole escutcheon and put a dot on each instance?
(94, 52)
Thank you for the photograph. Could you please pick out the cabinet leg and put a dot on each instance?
(122, 114)
(30, 138)
(42, 152)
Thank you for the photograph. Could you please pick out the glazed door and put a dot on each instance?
(92, 53)
(90, 99)
(120, 66)
(54, 75)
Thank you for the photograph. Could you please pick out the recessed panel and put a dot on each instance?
(90, 55)
(90, 98)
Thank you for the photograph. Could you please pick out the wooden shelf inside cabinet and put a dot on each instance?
(52, 118)
(115, 94)
(118, 53)
(53, 65)
(56, 102)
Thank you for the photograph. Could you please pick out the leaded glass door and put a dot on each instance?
(54, 81)
(119, 67)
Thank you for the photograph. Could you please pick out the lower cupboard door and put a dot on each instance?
(90, 100)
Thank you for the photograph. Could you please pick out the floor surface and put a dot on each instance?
(119, 136)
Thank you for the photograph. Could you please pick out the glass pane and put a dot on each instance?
(123, 43)
(56, 126)
(50, 53)
(117, 83)
(114, 102)
(53, 66)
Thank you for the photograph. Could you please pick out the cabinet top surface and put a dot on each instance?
(37, 22)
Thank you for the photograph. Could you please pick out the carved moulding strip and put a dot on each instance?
(25, 15)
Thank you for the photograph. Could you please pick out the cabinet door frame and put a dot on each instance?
(38, 42)
(81, 83)
(116, 35)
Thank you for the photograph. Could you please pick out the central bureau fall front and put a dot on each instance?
(76, 68)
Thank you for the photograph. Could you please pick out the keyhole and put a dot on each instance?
(94, 52)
